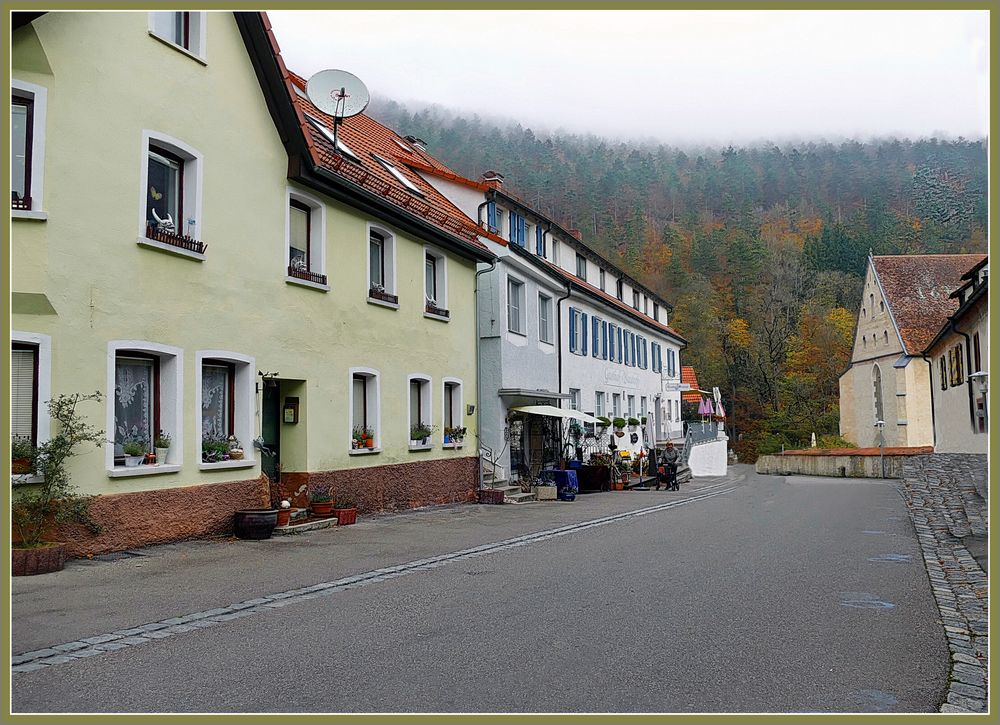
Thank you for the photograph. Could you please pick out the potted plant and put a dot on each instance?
(368, 437)
(22, 455)
(321, 500)
(284, 512)
(345, 511)
(255, 523)
(54, 500)
(135, 450)
(619, 424)
(575, 431)
(643, 421)
(458, 434)
(214, 449)
(568, 493)
(162, 446)
(545, 491)
(633, 423)
(603, 423)
(358, 437)
(420, 433)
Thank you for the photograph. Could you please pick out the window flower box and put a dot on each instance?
(377, 293)
(432, 309)
(175, 240)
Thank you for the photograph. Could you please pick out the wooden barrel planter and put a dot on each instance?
(38, 560)
(255, 523)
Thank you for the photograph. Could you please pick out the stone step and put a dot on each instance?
(519, 497)
(314, 525)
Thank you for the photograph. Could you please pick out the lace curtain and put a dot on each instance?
(214, 403)
(133, 401)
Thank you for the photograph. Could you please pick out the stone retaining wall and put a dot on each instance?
(838, 466)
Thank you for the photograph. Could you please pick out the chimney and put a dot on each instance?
(577, 234)
(493, 179)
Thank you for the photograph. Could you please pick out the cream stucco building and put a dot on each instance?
(292, 293)
(905, 302)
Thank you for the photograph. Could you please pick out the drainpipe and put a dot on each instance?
(930, 381)
(559, 347)
(479, 369)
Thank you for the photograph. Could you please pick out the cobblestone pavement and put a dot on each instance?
(945, 496)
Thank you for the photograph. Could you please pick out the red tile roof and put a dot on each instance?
(365, 136)
(918, 291)
(688, 376)
(605, 297)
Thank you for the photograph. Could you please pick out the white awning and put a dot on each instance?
(554, 412)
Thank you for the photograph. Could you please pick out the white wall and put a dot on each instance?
(709, 459)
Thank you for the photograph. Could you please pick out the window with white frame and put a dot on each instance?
(27, 156)
(306, 252)
(515, 306)
(145, 380)
(516, 229)
(635, 299)
(631, 406)
(365, 404)
(24, 392)
(642, 406)
(184, 29)
(452, 410)
(577, 331)
(419, 391)
(616, 405)
(226, 398)
(435, 282)
(656, 311)
(620, 289)
(581, 267)
(545, 318)
(601, 279)
(574, 399)
(171, 207)
(540, 242)
(381, 265)
(599, 404)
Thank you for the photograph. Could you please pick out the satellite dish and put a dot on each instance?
(338, 93)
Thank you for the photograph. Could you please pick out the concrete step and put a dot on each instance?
(519, 497)
(293, 528)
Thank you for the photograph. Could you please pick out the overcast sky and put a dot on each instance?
(675, 75)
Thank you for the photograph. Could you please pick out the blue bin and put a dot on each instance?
(566, 480)
(575, 465)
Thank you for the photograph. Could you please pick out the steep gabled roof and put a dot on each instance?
(688, 376)
(918, 291)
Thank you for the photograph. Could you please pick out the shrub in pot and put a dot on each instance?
(161, 444)
(135, 450)
(345, 511)
(321, 500)
(55, 500)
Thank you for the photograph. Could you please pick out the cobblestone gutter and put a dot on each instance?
(945, 495)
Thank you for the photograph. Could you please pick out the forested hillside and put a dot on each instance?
(761, 250)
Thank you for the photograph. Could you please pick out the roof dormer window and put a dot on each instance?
(397, 174)
(403, 146)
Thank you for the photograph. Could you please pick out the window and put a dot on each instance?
(22, 126)
(144, 380)
(574, 399)
(381, 266)
(601, 279)
(620, 290)
(612, 347)
(881, 305)
(977, 354)
(616, 405)
(885, 336)
(577, 331)
(365, 411)
(864, 342)
(334, 139)
(598, 404)
(398, 175)
(515, 306)
(943, 372)
(629, 350)
(420, 403)
(24, 392)
(516, 229)
(555, 251)
(635, 299)
(877, 392)
(137, 399)
(631, 406)
(494, 218)
(183, 29)
(545, 318)
(581, 267)
(435, 283)
(225, 399)
(452, 413)
(642, 406)
(306, 253)
(671, 363)
(656, 311)
(540, 246)
(217, 399)
(171, 196)
(957, 376)
(645, 305)
(641, 352)
(657, 361)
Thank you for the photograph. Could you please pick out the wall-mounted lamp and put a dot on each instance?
(268, 380)
(470, 409)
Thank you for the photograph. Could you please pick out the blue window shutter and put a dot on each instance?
(604, 340)
(611, 342)
(491, 214)
(635, 349)
(521, 230)
(627, 353)
(539, 249)
(583, 333)
(620, 351)
(572, 329)
(595, 342)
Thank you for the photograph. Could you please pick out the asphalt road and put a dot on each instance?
(762, 599)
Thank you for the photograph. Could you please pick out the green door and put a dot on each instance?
(271, 431)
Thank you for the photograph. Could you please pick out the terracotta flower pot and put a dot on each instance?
(42, 559)
(369, 442)
(321, 508)
(284, 515)
(346, 517)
